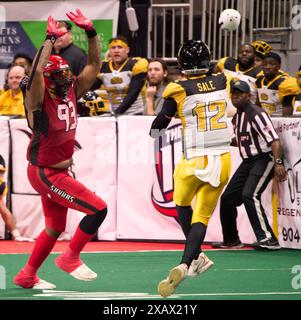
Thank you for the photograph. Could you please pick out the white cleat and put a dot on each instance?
(84, 273)
(200, 265)
(43, 285)
(23, 239)
(176, 275)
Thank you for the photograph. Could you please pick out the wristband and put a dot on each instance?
(51, 37)
(91, 33)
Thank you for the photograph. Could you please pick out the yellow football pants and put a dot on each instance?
(187, 186)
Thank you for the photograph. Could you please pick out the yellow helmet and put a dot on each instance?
(261, 47)
(91, 105)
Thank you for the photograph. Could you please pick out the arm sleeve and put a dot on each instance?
(135, 87)
(97, 84)
(163, 119)
(288, 101)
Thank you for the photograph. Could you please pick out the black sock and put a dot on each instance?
(194, 240)
(185, 215)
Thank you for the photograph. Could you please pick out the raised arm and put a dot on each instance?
(88, 75)
(36, 86)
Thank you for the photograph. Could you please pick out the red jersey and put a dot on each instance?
(54, 129)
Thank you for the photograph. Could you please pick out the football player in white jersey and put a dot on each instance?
(200, 99)
(123, 78)
(243, 68)
(261, 49)
(276, 91)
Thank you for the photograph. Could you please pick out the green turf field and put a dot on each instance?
(236, 274)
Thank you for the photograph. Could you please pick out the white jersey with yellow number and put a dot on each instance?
(271, 94)
(117, 82)
(202, 107)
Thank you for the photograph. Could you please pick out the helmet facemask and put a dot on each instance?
(61, 81)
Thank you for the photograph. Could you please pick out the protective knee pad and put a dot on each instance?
(90, 223)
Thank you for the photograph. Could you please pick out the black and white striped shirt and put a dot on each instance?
(254, 131)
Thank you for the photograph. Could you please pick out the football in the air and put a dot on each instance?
(229, 19)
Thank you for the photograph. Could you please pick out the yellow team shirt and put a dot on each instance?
(271, 94)
(12, 105)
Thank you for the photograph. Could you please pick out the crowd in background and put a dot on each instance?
(129, 85)
(134, 85)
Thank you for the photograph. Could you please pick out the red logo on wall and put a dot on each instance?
(166, 156)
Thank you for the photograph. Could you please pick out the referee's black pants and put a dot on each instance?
(245, 187)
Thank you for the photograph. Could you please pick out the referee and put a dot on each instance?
(260, 149)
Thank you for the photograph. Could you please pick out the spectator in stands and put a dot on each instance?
(123, 78)
(11, 100)
(64, 47)
(4, 211)
(261, 49)
(20, 59)
(243, 68)
(297, 99)
(51, 96)
(24, 60)
(276, 91)
(260, 149)
(157, 75)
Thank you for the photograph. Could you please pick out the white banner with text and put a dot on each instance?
(289, 195)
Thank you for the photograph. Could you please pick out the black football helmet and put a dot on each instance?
(91, 105)
(194, 57)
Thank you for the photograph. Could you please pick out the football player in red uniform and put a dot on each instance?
(51, 95)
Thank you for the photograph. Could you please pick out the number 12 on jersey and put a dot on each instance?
(210, 115)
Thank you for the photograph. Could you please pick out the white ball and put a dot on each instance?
(229, 19)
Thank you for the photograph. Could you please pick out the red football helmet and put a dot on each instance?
(59, 75)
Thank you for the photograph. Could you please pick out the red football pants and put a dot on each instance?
(59, 191)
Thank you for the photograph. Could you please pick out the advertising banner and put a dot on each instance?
(289, 195)
(23, 25)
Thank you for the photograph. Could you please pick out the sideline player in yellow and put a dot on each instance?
(276, 90)
(243, 68)
(201, 100)
(123, 78)
(297, 99)
(261, 49)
